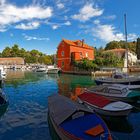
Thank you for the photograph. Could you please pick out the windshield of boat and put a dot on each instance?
(114, 91)
(125, 90)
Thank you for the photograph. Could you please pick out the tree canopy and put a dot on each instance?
(138, 48)
(121, 44)
(33, 56)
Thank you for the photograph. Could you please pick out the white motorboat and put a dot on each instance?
(116, 92)
(131, 87)
(104, 106)
(118, 78)
(2, 72)
(52, 69)
(41, 69)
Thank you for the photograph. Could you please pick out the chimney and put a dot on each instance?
(82, 42)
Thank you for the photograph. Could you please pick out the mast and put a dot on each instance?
(125, 27)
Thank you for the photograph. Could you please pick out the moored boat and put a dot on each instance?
(73, 121)
(104, 106)
(52, 69)
(131, 87)
(116, 92)
(2, 72)
(41, 69)
(118, 78)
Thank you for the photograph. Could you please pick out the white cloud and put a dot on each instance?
(111, 17)
(54, 27)
(3, 28)
(132, 36)
(34, 38)
(10, 13)
(96, 21)
(87, 12)
(58, 25)
(28, 26)
(108, 33)
(68, 23)
(60, 5)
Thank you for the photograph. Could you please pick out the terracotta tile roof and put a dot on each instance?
(116, 50)
(11, 58)
(76, 43)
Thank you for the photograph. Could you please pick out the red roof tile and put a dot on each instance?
(116, 50)
(77, 43)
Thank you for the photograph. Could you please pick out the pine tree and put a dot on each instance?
(138, 48)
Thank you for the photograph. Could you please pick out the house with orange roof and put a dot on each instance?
(12, 62)
(69, 51)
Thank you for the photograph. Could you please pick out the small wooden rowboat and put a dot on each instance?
(73, 121)
(104, 106)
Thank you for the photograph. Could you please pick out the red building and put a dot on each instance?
(69, 51)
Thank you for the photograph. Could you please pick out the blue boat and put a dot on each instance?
(73, 121)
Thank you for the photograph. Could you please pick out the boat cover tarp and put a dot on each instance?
(78, 129)
(60, 108)
(94, 99)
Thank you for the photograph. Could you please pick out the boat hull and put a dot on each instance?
(106, 112)
(59, 132)
(53, 71)
(115, 81)
(100, 111)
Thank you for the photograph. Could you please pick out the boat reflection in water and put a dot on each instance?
(118, 124)
(3, 109)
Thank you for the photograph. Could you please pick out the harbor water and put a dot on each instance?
(25, 118)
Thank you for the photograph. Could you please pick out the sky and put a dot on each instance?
(42, 24)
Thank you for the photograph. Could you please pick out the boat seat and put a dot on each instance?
(94, 131)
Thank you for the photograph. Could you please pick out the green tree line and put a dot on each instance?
(33, 56)
(121, 44)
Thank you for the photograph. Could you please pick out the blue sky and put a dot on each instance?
(42, 24)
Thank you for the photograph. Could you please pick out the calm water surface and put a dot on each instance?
(26, 116)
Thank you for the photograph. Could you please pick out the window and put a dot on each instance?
(114, 91)
(105, 90)
(62, 64)
(125, 90)
(86, 54)
(62, 53)
(79, 43)
(81, 54)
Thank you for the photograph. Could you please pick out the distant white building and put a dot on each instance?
(132, 58)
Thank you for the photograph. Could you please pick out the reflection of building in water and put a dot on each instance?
(64, 87)
(70, 86)
(77, 91)
(15, 74)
